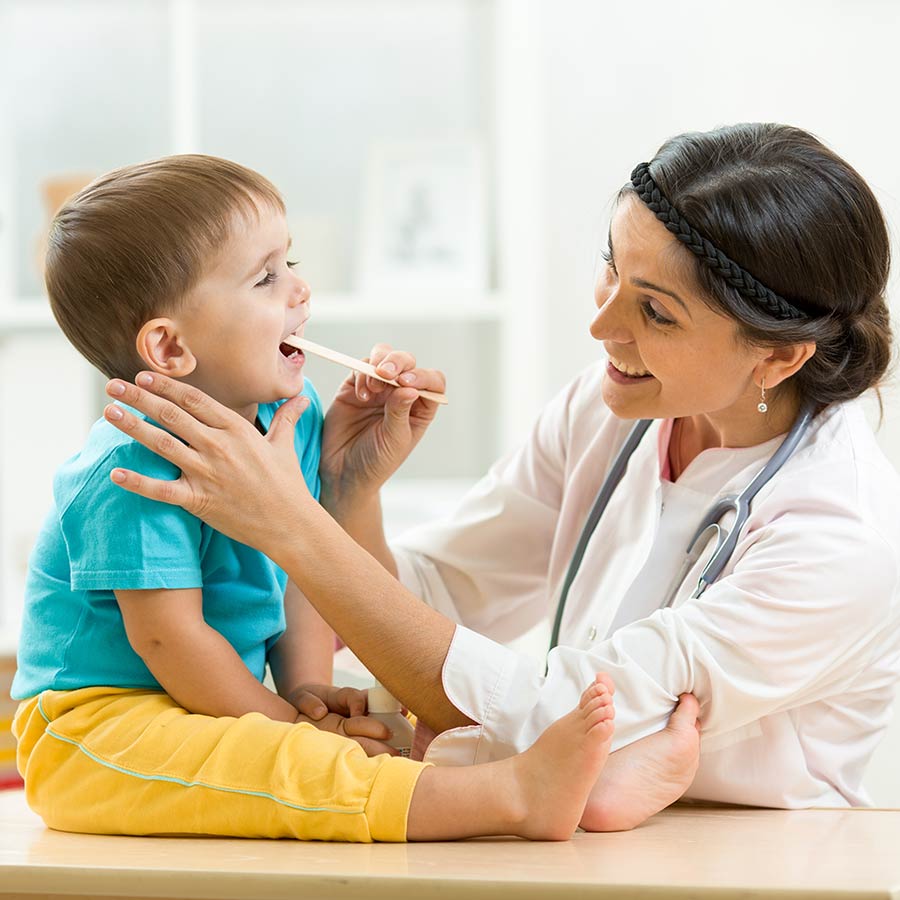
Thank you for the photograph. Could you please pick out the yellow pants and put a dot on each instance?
(113, 761)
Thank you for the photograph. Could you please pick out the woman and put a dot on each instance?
(744, 285)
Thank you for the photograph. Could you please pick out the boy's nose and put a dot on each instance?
(301, 294)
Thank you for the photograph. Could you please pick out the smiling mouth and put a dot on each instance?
(625, 369)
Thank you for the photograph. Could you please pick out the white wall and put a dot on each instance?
(621, 77)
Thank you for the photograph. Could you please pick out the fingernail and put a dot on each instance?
(117, 475)
(113, 412)
(388, 368)
(144, 379)
(116, 388)
(363, 395)
(407, 378)
(321, 710)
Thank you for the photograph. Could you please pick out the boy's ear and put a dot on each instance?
(162, 348)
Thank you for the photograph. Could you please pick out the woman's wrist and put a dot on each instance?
(347, 502)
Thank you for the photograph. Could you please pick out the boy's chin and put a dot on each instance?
(285, 393)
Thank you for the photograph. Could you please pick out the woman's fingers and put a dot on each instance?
(175, 405)
(176, 493)
(160, 442)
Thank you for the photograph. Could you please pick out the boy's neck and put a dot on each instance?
(250, 413)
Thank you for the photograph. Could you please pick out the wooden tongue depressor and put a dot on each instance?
(352, 363)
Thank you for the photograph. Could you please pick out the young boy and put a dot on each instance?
(146, 633)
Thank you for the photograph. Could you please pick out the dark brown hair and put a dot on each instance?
(782, 205)
(133, 243)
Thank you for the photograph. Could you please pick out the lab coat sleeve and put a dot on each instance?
(487, 565)
(797, 618)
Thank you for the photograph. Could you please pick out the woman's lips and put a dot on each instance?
(622, 378)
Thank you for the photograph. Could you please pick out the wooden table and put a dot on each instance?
(685, 852)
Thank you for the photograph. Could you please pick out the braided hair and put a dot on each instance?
(740, 279)
(788, 240)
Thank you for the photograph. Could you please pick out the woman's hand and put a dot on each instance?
(243, 484)
(372, 427)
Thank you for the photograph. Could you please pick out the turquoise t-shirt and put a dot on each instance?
(99, 538)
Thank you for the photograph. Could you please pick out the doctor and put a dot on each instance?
(744, 281)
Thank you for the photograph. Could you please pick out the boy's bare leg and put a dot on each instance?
(538, 794)
(641, 779)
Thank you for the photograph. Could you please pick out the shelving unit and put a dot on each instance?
(300, 91)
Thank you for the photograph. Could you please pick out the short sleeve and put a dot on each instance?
(117, 540)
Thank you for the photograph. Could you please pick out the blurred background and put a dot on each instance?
(448, 168)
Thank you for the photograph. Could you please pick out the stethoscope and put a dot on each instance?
(726, 541)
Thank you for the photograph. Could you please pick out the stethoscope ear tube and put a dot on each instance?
(617, 470)
(725, 545)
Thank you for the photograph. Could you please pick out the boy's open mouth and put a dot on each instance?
(289, 352)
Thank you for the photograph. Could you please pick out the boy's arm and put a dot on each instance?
(195, 665)
(304, 654)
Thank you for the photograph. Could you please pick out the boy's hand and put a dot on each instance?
(371, 427)
(368, 733)
(316, 700)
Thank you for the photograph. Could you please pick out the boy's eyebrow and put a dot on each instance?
(649, 285)
(261, 264)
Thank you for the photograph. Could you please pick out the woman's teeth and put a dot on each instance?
(628, 370)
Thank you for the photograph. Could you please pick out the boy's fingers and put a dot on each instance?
(374, 748)
(310, 705)
(365, 726)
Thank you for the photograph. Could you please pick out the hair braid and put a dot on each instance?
(726, 268)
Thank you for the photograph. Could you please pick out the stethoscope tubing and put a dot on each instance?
(739, 503)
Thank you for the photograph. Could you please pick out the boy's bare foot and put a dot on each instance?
(555, 775)
(539, 794)
(641, 779)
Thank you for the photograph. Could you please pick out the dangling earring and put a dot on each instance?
(763, 406)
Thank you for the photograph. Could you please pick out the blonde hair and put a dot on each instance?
(133, 243)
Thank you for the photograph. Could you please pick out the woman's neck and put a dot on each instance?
(692, 435)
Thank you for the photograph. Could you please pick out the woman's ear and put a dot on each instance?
(782, 362)
(162, 348)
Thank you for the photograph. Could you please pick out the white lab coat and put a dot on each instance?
(794, 652)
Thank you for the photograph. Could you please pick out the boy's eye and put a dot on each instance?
(269, 278)
(292, 263)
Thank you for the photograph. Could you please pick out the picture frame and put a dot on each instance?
(424, 218)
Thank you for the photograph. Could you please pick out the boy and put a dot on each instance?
(146, 633)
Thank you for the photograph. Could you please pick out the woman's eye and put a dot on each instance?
(608, 259)
(270, 278)
(651, 313)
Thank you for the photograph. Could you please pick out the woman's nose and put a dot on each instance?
(609, 322)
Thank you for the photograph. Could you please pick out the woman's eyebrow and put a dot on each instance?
(649, 285)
